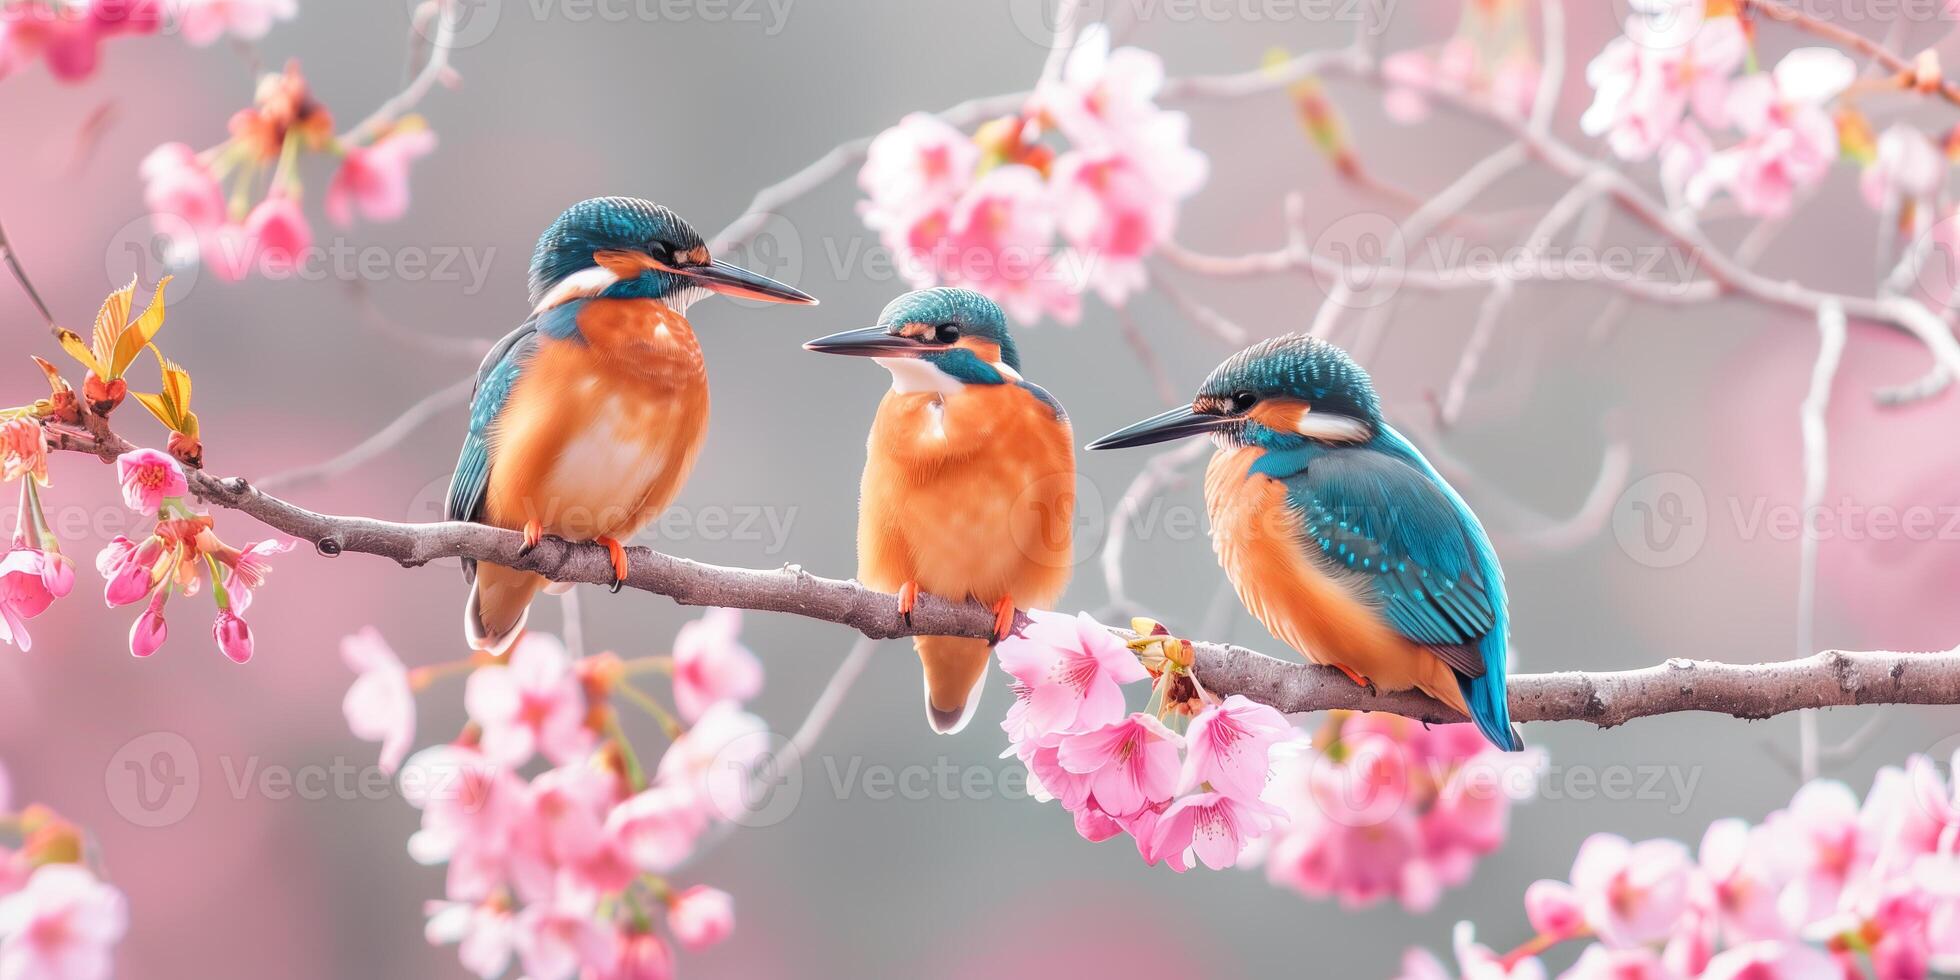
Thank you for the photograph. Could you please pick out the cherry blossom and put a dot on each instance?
(61, 925)
(1642, 90)
(1789, 140)
(374, 179)
(24, 593)
(1070, 671)
(1001, 243)
(1228, 747)
(530, 705)
(233, 636)
(1905, 166)
(471, 806)
(701, 916)
(1632, 893)
(715, 759)
(23, 451)
(1382, 808)
(1131, 763)
(1212, 827)
(68, 35)
(148, 633)
(642, 956)
(177, 181)
(554, 940)
(380, 704)
(483, 933)
(276, 235)
(657, 827)
(149, 477)
(711, 664)
(204, 21)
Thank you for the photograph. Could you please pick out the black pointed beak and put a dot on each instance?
(1174, 424)
(871, 342)
(733, 280)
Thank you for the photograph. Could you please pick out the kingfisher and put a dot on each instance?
(969, 480)
(1338, 535)
(586, 420)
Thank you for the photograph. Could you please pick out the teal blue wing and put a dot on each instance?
(1384, 519)
(1383, 524)
(494, 380)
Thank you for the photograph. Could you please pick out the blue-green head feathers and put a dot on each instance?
(1296, 368)
(623, 224)
(954, 313)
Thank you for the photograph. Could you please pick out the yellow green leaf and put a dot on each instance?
(109, 323)
(158, 407)
(139, 333)
(72, 343)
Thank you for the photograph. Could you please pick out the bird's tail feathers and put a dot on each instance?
(955, 674)
(1485, 697)
(499, 603)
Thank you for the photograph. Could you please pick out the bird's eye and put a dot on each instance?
(1242, 401)
(946, 333)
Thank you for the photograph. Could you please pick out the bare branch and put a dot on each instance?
(1834, 678)
(432, 71)
(388, 437)
(1606, 699)
(1816, 469)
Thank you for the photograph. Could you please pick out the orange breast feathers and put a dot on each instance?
(969, 493)
(1261, 544)
(599, 436)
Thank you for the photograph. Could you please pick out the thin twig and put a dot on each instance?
(1816, 468)
(26, 285)
(388, 437)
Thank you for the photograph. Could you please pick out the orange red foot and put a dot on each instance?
(1359, 680)
(619, 563)
(533, 533)
(908, 599)
(1003, 618)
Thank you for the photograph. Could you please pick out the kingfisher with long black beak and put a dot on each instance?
(969, 480)
(1338, 535)
(587, 419)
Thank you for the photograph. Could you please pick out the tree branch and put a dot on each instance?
(1832, 678)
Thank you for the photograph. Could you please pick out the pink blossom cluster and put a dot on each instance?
(1380, 807)
(564, 872)
(1488, 60)
(68, 34)
(1218, 781)
(1828, 888)
(1679, 77)
(985, 211)
(58, 921)
(208, 206)
(33, 571)
(177, 557)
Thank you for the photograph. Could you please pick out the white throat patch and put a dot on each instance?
(911, 375)
(1331, 428)
(584, 282)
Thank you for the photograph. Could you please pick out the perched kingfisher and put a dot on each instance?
(969, 479)
(1338, 535)
(587, 418)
